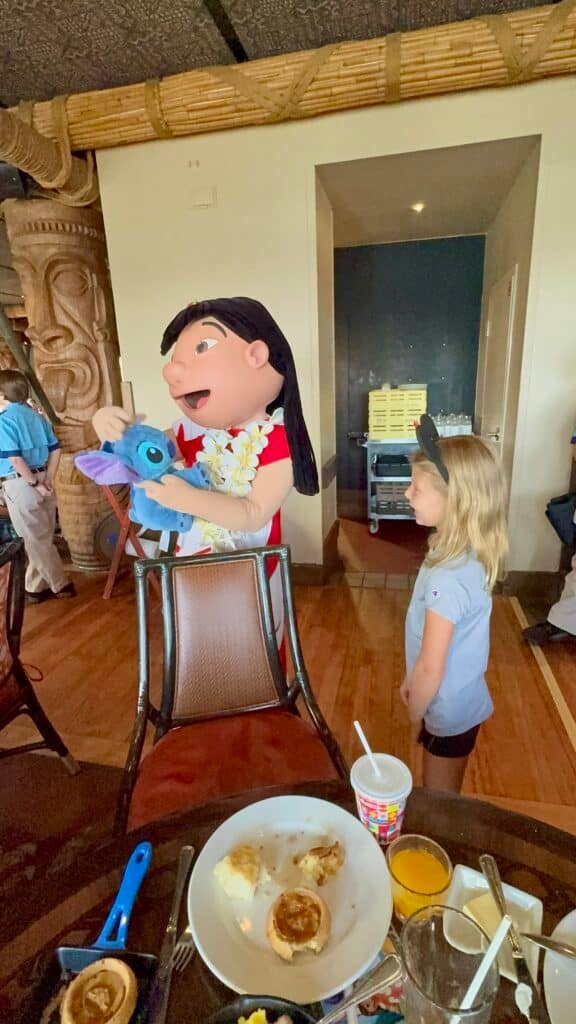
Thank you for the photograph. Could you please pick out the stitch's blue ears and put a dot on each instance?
(104, 468)
(427, 437)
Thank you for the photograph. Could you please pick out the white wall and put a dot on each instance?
(260, 239)
(509, 244)
(327, 355)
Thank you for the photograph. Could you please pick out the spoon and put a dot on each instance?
(554, 945)
(379, 978)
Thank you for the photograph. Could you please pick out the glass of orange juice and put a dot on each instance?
(420, 871)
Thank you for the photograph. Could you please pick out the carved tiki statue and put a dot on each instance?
(60, 254)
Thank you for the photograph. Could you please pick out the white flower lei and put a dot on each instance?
(232, 460)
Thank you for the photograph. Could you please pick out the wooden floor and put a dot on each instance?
(352, 637)
(398, 547)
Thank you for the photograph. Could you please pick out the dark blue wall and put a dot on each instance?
(408, 311)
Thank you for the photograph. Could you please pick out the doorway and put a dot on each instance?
(431, 265)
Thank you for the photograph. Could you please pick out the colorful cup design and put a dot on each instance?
(381, 800)
(383, 819)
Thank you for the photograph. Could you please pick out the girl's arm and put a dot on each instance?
(430, 666)
(272, 485)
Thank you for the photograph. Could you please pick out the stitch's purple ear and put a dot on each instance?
(105, 468)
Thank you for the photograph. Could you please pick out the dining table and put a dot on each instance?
(67, 898)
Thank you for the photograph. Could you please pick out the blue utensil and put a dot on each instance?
(115, 928)
(43, 1003)
(112, 938)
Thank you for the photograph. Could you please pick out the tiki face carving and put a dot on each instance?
(60, 256)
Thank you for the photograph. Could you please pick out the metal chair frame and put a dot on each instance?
(162, 718)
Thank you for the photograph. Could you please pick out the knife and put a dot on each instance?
(160, 990)
(527, 996)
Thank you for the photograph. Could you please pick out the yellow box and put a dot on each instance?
(395, 397)
(405, 433)
(391, 414)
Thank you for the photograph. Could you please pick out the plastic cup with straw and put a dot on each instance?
(367, 748)
(382, 785)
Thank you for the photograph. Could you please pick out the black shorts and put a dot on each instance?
(449, 746)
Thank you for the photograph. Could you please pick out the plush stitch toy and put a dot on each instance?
(142, 453)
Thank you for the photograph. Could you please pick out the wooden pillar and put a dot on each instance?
(59, 253)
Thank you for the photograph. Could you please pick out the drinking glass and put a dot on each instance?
(441, 951)
(414, 893)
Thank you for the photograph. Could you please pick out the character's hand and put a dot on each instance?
(111, 421)
(404, 691)
(171, 492)
(43, 490)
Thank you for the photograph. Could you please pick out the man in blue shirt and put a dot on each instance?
(29, 457)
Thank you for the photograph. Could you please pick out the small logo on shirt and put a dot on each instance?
(435, 593)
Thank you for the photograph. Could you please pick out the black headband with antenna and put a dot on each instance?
(427, 437)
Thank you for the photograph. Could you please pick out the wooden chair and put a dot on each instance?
(228, 720)
(17, 696)
(127, 532)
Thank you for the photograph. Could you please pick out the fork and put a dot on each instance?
(184, 950)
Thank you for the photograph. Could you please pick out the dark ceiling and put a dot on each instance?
(50, 47)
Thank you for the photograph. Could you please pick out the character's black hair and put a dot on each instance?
(250, 320)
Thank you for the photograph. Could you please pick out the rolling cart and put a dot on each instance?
(388, 475)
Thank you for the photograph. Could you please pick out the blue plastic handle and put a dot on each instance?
(115, 930)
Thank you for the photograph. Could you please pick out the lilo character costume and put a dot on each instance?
(232, 375)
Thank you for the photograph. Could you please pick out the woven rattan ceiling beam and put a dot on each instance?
(49, 162)
(496, 50)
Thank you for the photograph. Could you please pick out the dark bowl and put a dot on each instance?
(243, 1006)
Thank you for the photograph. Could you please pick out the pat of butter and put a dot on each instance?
(484, 911)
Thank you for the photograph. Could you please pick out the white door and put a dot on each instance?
(497, 360)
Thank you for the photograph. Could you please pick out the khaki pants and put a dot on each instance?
(34, 519)
(563, 613)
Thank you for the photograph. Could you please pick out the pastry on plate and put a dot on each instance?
(240, 872)
(299, 919)
(104, 992)
(322, 862)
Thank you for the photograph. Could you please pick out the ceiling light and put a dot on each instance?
(418, 207)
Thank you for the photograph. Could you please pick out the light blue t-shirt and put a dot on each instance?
(456, 591)
(24, 432)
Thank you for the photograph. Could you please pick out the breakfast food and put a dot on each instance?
(322, 862)
(105, 992)
(261, 1017)
(299, 919)
(240, 871)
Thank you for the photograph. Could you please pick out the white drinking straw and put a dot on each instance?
(366, 746)
(485, 965)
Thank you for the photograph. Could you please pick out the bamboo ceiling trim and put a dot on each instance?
(49, 162)
(496, 50)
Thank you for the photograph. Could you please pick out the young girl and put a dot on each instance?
(458, 489)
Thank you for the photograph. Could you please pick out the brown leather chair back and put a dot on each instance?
(220, 658)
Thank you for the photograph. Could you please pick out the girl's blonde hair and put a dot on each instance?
(476, 504)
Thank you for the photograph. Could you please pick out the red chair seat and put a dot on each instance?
(224, 756)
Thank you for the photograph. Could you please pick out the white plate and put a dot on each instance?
(525, 910)
(359, 899)
(560, 975)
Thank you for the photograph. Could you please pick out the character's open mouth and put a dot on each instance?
(196, 399)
